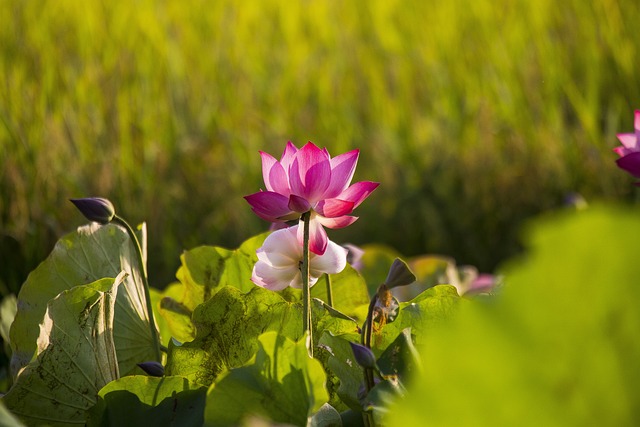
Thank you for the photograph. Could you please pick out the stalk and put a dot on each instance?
(366, 336)
(145, 282)
(306, 293)
(327, 279)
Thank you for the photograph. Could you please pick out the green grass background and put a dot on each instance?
(474, 115)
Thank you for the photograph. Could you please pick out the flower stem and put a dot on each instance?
(327, 278)
(366, 337)
(306, 293)
(145, 282)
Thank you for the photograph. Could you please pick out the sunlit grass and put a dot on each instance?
(473, 115)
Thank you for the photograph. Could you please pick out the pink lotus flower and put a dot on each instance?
(310, 180)
(483, 283)
(280, 256)
(629, 151)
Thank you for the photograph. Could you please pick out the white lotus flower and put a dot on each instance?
(280, 258)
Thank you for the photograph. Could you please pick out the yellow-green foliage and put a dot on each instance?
(473, 115)
(557, 347)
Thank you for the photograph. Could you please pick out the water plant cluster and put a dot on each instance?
(292, 328)
(281, 329)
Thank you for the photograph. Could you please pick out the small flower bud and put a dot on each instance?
(364, 356)
(95, 209)
(154, 369)
(399, 275)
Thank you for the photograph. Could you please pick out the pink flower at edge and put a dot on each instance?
(483, 283)
(280, 256)
(309, 179)
(629, 151)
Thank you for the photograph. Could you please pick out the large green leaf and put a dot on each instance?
(350, 294)
(174, 315)
(204, 271)
(239, 265)
(76, 357)
(200, 274)
(326, 319)
(326, 416)
(381, 396)
(162, 323)
(91, 253)
(228, 326)
(149, 401)
(282, 384)
(8, 309)
(432, 307)
(342, 365)
(400, 358)
(7, 419)
(559, 347)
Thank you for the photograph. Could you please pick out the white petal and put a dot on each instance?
(332, 261)
(277, 259)
(297, 283)
(284, 242)
(275, 279)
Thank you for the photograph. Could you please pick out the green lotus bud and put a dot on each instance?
(95, 209)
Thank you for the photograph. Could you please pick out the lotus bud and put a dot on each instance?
(154, 369)
(95, 209)
(364, 356)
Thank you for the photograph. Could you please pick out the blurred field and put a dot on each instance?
(473, 115)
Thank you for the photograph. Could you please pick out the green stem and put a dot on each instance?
(368, 419)
(306, 293)
(145, 282)
(366, 337)
(367, 328)
(327, 279)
